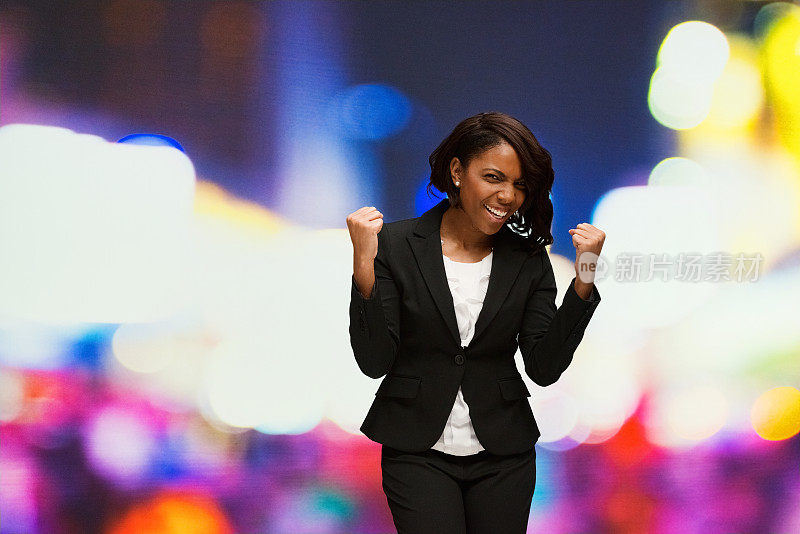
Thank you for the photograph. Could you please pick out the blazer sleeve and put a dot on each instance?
(374, 321)
(548, 337)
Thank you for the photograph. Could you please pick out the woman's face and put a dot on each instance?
(494, 179)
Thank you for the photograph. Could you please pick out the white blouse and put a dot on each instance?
(468, 283)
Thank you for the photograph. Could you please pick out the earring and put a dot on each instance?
(458, 183)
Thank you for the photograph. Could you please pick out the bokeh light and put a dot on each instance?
(556, 413)
(12, 395)
(22, 480)
(151, 140)
(776, 413)
(370, 111)
(781, 72)
(678, 103)
(690, 59)
(678, 171)
(635, 287)
(174, 513)
(31, 346)
(696, 414)
(121, 445)
(738, 95)
(61, 195)
(694, 50)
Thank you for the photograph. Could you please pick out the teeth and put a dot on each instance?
(498, 213)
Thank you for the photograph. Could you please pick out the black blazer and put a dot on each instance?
(407, 330)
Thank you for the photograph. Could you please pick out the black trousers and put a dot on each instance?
(438, 493)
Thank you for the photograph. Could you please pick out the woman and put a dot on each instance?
(440, 303)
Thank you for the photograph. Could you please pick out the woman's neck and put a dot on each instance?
(456, 227)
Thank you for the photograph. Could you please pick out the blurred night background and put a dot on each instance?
(174, 354)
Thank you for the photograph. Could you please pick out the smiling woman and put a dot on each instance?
(494, 171)
(440, 304)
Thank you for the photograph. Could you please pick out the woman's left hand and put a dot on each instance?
(588, 241)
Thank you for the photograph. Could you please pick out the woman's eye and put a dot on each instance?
(518, 184)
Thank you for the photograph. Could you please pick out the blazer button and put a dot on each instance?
(459, 359)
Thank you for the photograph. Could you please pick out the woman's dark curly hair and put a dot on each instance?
(483, 131)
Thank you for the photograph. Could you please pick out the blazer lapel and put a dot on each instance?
(427, 248)
(509, 255)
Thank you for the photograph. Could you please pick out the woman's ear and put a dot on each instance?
(455, 169)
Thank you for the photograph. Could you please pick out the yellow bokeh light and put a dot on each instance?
(213, 203)
(776, 413)
(738, 93)
(781, 67)
(782, 58)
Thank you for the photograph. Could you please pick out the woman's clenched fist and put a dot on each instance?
(364, 225)
(588, 241)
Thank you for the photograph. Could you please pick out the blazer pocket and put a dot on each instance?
(513, 388)
(405, 387)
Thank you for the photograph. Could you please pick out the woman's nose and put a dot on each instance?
(506, 194)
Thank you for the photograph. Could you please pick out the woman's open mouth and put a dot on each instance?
(495, 214)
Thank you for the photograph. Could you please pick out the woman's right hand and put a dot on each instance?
(364, 225)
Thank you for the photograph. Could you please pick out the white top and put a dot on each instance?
(468, 283)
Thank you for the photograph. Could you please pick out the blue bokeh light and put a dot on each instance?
(89, 349)
(369, 112)
(151, 140)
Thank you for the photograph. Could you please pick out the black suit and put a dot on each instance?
(407, 330)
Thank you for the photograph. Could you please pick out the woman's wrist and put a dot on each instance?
(583, 289)
(364, 275)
